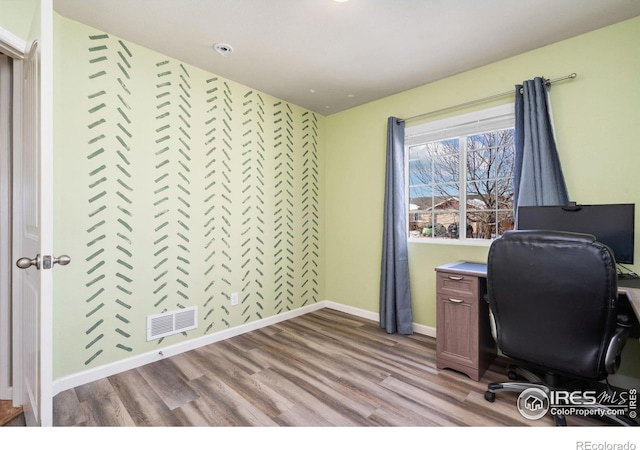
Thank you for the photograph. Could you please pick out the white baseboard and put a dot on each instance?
(424, 329)
(87, 376)
(351, 310)
(417, 328)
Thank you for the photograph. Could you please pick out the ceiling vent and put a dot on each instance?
(171, 322)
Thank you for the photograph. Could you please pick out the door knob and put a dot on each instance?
(45, 262)
(25, 262)
(63, 260)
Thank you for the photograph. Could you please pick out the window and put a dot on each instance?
(460, 176)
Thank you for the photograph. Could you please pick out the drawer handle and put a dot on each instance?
(455, 278)
(455, 300)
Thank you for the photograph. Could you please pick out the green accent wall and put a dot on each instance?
(174, 188)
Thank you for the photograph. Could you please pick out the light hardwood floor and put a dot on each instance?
(325, 368)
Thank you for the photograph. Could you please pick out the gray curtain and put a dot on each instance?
(538, 174)
(395, 294)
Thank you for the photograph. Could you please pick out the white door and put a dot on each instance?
(33, 225)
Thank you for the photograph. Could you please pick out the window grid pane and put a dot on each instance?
(436, 186)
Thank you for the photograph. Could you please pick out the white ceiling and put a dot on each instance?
(329, 56)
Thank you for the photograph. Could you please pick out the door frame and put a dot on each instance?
(33, 222)
(13, 47)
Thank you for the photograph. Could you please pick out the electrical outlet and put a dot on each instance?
(234, 299)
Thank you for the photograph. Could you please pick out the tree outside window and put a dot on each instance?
(462, 183)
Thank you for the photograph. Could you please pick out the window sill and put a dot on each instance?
(465, 242)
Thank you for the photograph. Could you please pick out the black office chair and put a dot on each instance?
(552, 297)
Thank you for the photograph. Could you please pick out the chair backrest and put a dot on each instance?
(553, 296)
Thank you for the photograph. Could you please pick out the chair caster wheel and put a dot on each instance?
(513, 376)
(490, 396)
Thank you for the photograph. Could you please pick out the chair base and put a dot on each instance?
(531, 380)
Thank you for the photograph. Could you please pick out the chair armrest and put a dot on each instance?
(492, 325)
(624, 320)
(616, 344)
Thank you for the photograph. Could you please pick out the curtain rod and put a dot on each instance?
(480, 100)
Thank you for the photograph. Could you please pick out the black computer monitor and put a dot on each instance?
(611, 224)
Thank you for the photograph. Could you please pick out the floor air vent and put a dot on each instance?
(171, 322)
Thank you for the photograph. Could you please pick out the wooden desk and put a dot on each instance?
(634, 298)
(463, 335)
(631, 288)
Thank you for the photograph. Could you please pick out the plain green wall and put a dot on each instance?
(597, 121)
(15, 16)
(597, 124)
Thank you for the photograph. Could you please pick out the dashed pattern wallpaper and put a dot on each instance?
(188, 187)
(104, 181)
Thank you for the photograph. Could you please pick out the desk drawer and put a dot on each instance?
(463, 341)
(461, 285)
